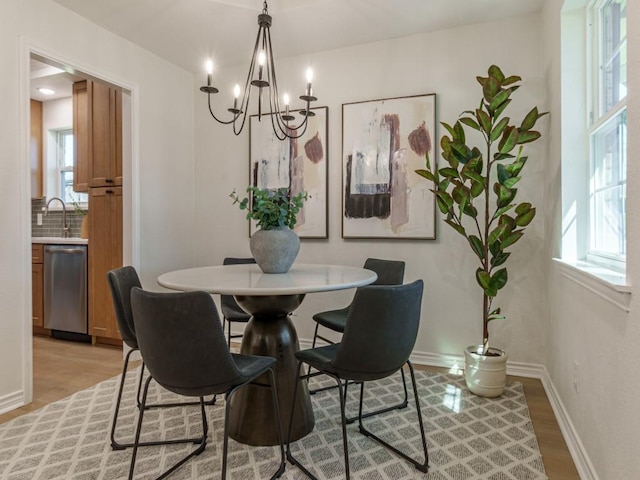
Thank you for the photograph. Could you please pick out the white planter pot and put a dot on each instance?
(485, 375)
(275, 249)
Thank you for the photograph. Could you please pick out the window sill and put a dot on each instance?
(607, 284)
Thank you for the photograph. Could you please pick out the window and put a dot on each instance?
(64, 141)
(607, 133)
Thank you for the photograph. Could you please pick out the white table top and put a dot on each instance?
(248, 279)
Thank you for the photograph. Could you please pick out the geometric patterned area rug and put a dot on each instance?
(469, 437)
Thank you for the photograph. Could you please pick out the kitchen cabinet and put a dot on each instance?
(97, 124)
(35, 148)
(105, 237)
(37, 285)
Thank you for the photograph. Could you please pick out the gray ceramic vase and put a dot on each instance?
(275, 249)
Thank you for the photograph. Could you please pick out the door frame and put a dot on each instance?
(130, 181)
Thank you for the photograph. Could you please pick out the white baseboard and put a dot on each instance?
(576, 448)
(11, 401)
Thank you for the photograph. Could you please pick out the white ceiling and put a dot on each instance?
(47, 76)
(186, 32)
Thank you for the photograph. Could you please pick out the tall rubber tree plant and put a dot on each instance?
(476, 189)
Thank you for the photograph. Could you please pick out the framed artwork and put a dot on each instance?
(383, 143)
(300, 165)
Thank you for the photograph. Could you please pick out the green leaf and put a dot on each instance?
(511, 182)
(449, 172)
(476, 188)
(498, 129)
(511, 80)
(460, 194)
(505, 195)
(468, 172)
(503, 175)
(497, 233)
(458, 133)
(499, 279)
(529, 120)
(509, 140)
(446, 198)
(502, 156)
(499, 99)
(483, 278)
(502, 210)
(528, 137)
(476, 245)
(470, 210)
(511, 239)
(495, 72)
(491, 292)
(524, 207)
(448, 128)
(494, 248)
(426, 174)
(458, 228)
(495, 317)
(461, 152)
(484, 120)
(525, 219)
(470, 122)
(490, 88)
(500, 259)
(501, 108)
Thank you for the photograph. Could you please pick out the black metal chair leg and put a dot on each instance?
(115, 445)
(398, 406)
(313, 345)
(278, 421)
(423, 467)
(343, 418)
(137, 443)
(292, 460)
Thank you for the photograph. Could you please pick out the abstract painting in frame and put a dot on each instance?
(383, 143)
(299, 165)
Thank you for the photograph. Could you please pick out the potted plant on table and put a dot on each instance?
(275, 245)
(476, 191)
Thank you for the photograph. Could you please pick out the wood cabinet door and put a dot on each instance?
(37, 294)
(81, 135)
(100, 171)
(105, 253)
(35, 148)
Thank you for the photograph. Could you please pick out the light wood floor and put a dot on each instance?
(61, 368)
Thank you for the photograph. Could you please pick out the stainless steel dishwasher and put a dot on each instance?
(65, 290)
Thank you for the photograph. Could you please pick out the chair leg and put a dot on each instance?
(137, 443)
(278, 421)
(399, 406)
(422, 467)
(115, 445)
(345, 443)
(313, 345)
(166, 405)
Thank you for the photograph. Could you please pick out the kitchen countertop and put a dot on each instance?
(60, 240)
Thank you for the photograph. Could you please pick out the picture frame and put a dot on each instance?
(383, 142)
(300, 165)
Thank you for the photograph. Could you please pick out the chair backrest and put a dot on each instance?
(121, 281)
(182, 343)
(227, 301)
(380, 331)
(390, 272)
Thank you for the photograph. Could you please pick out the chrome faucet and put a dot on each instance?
(65, 226)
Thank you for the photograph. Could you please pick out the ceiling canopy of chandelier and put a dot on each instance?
(263, 79)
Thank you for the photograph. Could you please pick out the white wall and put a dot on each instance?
(446, 63)
(584, 328)
(56, 115)
(161, 178)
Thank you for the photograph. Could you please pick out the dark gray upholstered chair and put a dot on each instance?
(180, 337)
(390, 272)
(121, 281)
(231, 311)
(379, 336)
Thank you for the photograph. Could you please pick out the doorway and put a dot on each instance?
(53, 176)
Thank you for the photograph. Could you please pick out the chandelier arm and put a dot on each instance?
(224, 122)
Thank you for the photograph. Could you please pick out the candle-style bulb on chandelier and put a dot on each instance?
(262, 76)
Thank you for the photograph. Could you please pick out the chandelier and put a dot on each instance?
(262, 76)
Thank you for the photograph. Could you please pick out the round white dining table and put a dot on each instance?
(270, 299)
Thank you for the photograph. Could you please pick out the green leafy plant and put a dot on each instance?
(491, 223)
(271, 208)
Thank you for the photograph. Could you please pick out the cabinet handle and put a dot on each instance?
(109, 191)
(108, 180)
